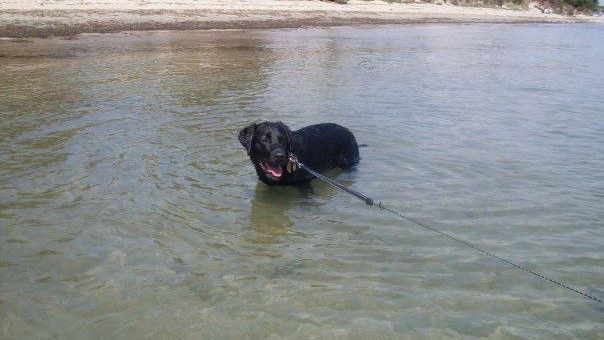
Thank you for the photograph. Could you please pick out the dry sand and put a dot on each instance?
(41, 18)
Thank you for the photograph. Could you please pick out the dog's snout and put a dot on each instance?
(279, 154)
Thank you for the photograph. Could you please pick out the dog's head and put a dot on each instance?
(268, 144)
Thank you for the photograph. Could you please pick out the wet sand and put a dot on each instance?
(29, 18)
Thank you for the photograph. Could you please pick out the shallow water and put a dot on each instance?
(129, 209)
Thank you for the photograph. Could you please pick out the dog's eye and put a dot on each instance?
(268, 136)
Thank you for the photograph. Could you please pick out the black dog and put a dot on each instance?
(320, 147)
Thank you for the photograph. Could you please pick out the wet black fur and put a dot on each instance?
(320, 146)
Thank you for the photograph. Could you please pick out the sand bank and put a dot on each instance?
(41, 18)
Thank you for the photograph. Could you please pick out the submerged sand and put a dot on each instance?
(41, 18)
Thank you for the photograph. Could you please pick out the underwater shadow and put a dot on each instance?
(271, 205)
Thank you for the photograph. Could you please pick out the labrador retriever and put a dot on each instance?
(320, 147)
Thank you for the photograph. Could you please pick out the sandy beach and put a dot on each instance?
(43, 18)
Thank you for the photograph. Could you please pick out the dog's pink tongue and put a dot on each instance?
(275, 171)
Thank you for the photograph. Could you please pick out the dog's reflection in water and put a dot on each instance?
(270, 206)
(273, 207)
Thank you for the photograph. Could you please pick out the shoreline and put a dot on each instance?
(41, 19)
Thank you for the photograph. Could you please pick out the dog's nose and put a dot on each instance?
(278, 154)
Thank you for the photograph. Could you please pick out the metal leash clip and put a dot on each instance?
(292, 164)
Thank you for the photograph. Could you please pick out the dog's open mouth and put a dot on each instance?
(272, 171)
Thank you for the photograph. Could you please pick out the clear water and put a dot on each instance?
(129, 209)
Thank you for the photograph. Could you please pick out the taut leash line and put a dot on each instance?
(369, 201)
(356, 194)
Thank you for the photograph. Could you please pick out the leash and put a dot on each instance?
(370, 202)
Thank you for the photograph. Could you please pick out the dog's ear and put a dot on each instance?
(246, 135)
(288, 135)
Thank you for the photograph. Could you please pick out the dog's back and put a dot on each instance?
(327, 145)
